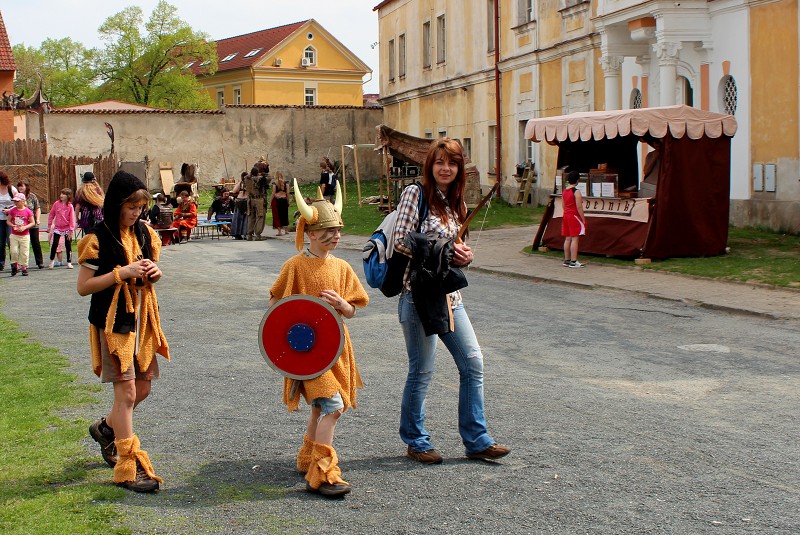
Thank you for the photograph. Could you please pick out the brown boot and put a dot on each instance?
(304, 454)
(133, 470)
(324, 475)
(104, 435)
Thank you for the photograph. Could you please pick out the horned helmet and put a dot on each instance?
(317, 215)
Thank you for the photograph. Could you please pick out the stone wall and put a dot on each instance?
(781, 216)
(222, 143)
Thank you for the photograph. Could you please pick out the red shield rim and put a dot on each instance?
(301, 337)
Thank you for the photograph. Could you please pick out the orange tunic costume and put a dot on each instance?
(309, 276)
(151, 337)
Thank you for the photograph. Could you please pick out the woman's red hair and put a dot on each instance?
(449, 150)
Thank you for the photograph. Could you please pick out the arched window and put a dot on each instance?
(310, 55)
(728, 95)
(636, 99)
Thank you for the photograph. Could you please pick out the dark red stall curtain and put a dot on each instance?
(692, 199)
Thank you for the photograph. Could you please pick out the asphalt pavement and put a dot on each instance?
(500, 251)
(642, 412)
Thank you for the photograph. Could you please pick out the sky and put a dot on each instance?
(351, 21)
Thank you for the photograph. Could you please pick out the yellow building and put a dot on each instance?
(556, 57)
(437, 72)
(298, 64)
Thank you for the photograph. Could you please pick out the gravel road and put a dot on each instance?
(626, 415)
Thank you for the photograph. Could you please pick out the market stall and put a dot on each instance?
(681, 206)
(399, 145)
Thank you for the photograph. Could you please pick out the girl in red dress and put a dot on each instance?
(573, 224)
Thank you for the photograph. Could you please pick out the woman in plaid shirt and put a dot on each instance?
(443, 186)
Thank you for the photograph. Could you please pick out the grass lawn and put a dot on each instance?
(756, 256)
(48, 482)
(363, 220)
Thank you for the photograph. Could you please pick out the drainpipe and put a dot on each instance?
(498, 116)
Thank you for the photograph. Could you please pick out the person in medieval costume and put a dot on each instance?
(89, 202)
(239, 226)
(256, 184)
(316, 272)
(188, 181)
(118, 268)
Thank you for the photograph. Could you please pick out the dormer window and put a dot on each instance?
(188, 65)
(310, 54)
(229, 57)
(207, 62)
(253, 52)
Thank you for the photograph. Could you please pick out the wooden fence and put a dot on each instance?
(61, 171)
(22, 152)
(28, 160)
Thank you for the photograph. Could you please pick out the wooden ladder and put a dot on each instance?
(525, 184)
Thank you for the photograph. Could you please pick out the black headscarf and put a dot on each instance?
(122, 186)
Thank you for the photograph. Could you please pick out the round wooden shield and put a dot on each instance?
(301, 337)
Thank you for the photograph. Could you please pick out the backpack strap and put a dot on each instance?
(422, 206)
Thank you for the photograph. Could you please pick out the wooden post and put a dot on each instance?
(389, 178)
(344, 177)
(380, 179)
(358, 175)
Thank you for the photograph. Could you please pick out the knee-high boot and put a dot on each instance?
(324, 474)
(304, 455)
(133, 469)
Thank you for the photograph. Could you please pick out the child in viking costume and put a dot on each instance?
(316, 272)
(118, 269)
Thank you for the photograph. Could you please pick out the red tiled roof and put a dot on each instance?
(263, 41)
(95, 111)
(109, 104)
(7, 62)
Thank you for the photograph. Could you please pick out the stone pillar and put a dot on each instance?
(667, 52)
(612, 70)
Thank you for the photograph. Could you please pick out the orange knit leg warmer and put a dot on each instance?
(129, 454)
(324, 467)
(304, 455)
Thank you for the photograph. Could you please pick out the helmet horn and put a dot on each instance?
(305, 209)
(337, 205)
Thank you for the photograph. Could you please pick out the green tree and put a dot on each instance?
(30, 66)
(145, 63)
(63, 67)
(70, 71)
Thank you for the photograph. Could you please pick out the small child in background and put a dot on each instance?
(573, 224)
(318, 273)
(61, 222)
(20, 219)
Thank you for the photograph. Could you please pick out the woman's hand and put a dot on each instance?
(151, 270)
(338, 302)
(462, 255)
(144, 268)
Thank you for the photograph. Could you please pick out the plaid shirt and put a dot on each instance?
(432, 226)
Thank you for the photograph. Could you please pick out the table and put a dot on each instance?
(208, 229)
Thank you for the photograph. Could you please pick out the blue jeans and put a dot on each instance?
(463, 346)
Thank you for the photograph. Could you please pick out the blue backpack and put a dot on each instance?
(383, 269)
